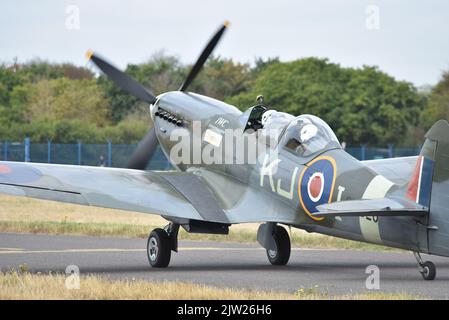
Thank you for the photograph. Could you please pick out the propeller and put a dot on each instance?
(144, 151)
(146, 147)
(123, 80)
(203, 57)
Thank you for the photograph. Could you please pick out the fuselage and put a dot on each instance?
(301, 183)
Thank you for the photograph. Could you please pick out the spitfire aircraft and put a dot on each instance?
(301, 179)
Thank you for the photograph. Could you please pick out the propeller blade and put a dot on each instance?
(121, 79)
(203, 57)
(144, 151)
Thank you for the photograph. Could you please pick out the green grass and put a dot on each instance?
(301, 240)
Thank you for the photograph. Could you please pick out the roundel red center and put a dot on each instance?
(315, 186)
(4, 169)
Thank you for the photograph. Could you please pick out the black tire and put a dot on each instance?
(159, 248)
(429, 270)
(280, 256)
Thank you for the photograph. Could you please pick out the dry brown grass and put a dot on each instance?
(27, 209)
(25, 286)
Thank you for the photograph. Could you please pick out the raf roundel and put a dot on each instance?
(316, 184)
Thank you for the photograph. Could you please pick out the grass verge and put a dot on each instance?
(299, 238)
(23, 285)
(26, 215)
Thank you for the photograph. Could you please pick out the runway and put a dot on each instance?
(224, 264)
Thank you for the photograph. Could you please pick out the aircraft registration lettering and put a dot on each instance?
(316, 182)
(374, 219)
(288, 194)
(268, 169)
(341, 189)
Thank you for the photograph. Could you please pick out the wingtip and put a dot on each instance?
(89, 54)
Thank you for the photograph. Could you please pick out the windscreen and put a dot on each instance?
(308, 135)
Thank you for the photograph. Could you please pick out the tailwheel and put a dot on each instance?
(280, 256)
(429, 271)
(426, 268)
(159, 248)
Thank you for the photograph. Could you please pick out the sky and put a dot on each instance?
(409, 39)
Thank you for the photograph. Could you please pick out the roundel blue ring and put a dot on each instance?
(327, 166)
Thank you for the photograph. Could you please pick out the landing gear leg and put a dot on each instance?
(426, 268)
(160, 244)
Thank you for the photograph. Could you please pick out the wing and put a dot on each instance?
(398, 170)
(198, 195)
(162, 193)
(371, 207)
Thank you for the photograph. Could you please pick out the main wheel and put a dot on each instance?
(429, 270)
(280, 256)
(158, 248)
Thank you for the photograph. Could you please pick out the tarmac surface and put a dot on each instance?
(225, 264)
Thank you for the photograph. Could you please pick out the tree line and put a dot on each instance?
(68, 103)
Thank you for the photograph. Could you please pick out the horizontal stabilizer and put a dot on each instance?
(371, 207)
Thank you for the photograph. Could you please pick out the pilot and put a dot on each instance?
(308, 131)
(303, 133)
(266, 116)
(272, 119)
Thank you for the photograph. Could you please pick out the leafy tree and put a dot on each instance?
(377, 109)
(260, 65)
(61, 99)
(438, 105)
(36, 70)
(81, 100)
(222, 78)
(17, 80)
(8, 80)
(65, 102)
(362, 105)
(15, 111)
(126, 132)
(73, 130)
(73, 72)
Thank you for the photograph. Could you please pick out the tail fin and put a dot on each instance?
(429, 185)
(419, 187)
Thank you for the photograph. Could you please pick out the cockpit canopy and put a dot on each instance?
(307, 135)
